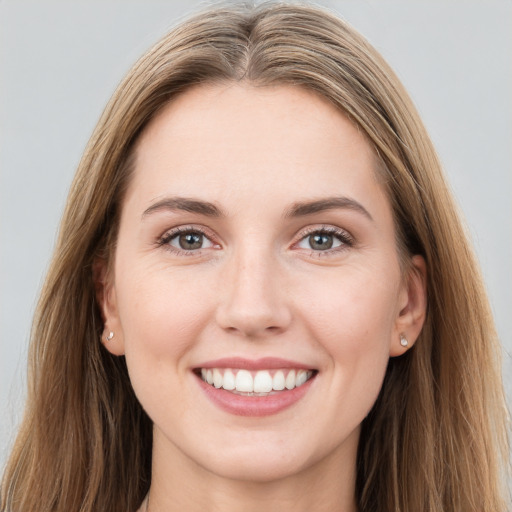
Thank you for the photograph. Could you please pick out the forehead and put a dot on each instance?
(220, 137)
(248, 110)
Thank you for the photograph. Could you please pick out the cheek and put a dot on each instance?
(160, 324)
(354, 303)
(353, 319)
(159, 314)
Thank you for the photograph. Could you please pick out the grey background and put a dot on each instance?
(60, 62)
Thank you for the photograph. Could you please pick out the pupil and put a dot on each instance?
(191, 241)
(322, 242)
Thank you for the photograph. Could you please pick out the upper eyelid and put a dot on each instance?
(171, 232)
(322, 227)
(332, 230)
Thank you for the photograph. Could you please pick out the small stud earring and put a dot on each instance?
(110, 336)
(403, 341)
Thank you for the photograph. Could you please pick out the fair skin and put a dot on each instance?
(253, 275)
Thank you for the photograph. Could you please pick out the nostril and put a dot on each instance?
(253, 331)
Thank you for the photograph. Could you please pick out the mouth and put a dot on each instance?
(262, 387)
(257, 383)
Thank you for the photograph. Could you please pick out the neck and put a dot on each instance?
(326, 486)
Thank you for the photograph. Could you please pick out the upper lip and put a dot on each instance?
(264, 363)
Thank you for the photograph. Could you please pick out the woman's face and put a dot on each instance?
(257, 249)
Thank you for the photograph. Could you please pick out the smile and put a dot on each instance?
(255, 387)
(255, 383)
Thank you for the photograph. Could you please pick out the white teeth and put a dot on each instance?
(278, 381)
(261, 381)
(290, 380)
(229, 380)
(244, 382)
(302, 377)
(217, 378)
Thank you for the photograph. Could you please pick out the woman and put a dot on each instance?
(261, 294)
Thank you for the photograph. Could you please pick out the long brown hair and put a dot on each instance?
(436, 438)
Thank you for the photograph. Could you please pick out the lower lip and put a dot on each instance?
(242, 405)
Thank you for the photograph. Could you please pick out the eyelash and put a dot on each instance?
(343, 236)
(165, 240)
(345, 239)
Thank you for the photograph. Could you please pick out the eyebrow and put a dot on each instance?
(184, 204)
(301, 209)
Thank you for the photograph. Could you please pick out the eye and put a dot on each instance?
(319, 242)
(325, 239)
(188, 240)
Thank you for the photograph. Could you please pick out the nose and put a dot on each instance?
(253, 299)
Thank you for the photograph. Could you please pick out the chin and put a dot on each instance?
(253, 459)
(257, 469)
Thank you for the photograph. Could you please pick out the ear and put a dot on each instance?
(112, 334)
(412, 307)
